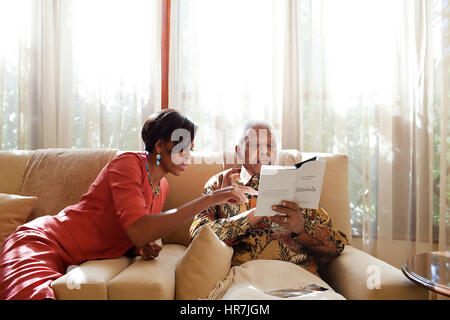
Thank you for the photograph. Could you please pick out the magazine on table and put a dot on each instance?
(296, 292)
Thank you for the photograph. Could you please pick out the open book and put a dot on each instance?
(301, 183)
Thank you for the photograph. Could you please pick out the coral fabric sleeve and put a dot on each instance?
(119, 196)
(126, 185)
(95, 228)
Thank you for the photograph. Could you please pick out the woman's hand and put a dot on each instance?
(234, 194)
(150, 251)
(291, 217)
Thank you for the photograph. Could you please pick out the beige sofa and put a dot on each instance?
(126, 278)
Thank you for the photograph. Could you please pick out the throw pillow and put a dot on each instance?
(206, 261)
(14, 210)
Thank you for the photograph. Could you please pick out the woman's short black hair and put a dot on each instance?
(161, 125)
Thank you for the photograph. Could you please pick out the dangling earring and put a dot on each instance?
(158, 156)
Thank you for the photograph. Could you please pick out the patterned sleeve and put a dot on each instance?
(228, 229)
(319, 237)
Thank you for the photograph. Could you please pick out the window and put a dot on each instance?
(79, 74)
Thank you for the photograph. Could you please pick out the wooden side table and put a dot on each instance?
(431, 270)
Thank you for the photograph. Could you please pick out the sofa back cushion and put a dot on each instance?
(335, 197)
(86, 164)
(59, 177)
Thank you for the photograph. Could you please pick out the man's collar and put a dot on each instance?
(245, 176)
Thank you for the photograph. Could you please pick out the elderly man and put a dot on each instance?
(306, 237)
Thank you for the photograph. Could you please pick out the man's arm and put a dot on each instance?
(228, 229)
(319, 237)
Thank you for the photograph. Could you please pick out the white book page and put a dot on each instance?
(308, 185)
(276, 184)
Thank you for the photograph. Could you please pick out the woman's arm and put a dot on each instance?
(125, 177)
(229, 229)
(133, 252)
(155, 226)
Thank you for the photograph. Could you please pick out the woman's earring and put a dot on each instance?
(158, 156)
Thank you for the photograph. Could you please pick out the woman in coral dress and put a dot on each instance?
(120, 211)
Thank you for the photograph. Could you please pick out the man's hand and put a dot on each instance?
(291, 217)
(252, 219)
(150, 251)
(230, 176)
(250, 214)
(235, 194)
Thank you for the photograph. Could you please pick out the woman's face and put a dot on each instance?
(172, 161)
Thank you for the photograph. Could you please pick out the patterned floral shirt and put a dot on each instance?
(318, 243)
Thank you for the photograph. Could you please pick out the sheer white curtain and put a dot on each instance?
(78, 73)
(366, 78)
(378, 91)
(226, 66)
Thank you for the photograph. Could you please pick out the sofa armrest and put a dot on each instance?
(89, 280)
(355, 274)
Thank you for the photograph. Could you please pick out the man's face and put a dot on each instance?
(257, 149)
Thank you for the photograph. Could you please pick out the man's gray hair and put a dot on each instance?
(251, 124)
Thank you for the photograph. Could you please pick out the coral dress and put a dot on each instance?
(40, 251)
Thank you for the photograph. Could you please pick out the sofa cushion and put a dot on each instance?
(89, 281)
(14, 210)
(59, 177)
(148, 279)
(206, 261)
(264, 279)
